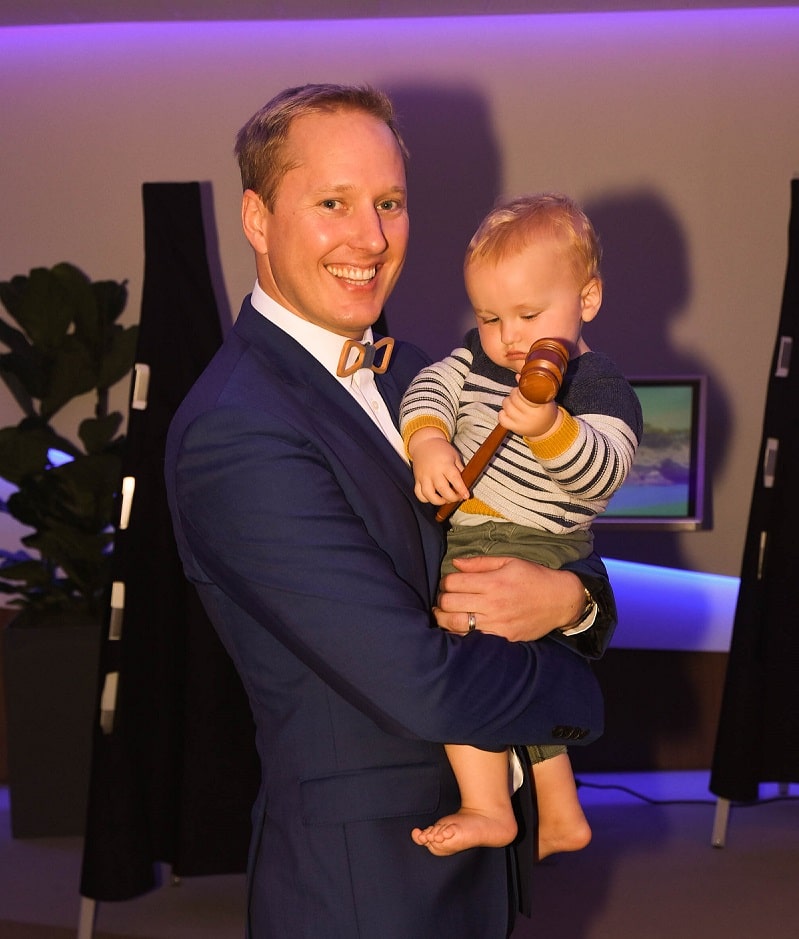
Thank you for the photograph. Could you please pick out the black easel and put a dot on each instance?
(758, 734)
(174, 768)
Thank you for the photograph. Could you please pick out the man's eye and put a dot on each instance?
(389, 205)
(330, 203)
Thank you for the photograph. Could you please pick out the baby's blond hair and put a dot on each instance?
(510, 227)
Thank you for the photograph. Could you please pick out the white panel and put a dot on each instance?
(664, 608)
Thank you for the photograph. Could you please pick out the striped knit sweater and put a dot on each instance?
(558, 484)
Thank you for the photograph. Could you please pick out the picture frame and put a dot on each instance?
(665, 488)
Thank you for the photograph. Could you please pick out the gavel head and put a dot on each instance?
(543, 370)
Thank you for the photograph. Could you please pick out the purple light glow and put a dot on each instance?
(697, 617)
(665, 25)
(384, 51)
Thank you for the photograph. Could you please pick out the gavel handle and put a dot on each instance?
(539, 381)
(475, 467)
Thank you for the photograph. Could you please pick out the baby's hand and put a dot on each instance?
(526, 417)
(437, 469)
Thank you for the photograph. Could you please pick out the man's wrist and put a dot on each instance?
(586, 618)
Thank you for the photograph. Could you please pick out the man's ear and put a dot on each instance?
(591, 299)
(254, 220)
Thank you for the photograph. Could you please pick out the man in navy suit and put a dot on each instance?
(295, 517)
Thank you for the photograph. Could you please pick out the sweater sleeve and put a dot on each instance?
(431, 399)
(587, 456)
(591, 452)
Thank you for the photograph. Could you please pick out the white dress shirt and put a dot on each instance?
(326, 348)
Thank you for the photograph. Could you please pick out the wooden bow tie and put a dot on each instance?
(365, 357)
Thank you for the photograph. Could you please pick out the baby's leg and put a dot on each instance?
(486, 816)
(562, 826)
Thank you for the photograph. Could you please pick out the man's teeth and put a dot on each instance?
(356, 274)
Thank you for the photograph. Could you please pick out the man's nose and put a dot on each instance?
(368, 231)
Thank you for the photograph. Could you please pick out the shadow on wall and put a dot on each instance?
(647, 274)
(453, 180)
(647, 279)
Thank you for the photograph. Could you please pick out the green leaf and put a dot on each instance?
(82, 556)
(97, 434)
(73, 373)
(12, 292)
(13, 338)
(20, 380)
(80, 494)
(23, 450)
(119, 356)
(111, 298)
(31, 572)
(46, 308)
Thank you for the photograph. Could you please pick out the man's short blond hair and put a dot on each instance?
(511, 226)
(261, 143)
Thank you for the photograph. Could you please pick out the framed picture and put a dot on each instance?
(666, 484)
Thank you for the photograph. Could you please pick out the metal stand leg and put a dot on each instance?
(88, 912)
(722, 817)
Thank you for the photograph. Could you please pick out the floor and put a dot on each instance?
(650, 873)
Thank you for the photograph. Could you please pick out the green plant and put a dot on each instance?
(68, 344)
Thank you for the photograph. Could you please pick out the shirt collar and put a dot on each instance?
(322, 344)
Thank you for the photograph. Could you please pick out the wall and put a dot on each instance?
(678, 131)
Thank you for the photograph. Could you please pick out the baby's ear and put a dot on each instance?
(591, 299)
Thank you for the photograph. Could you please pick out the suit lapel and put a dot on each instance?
(335, 412)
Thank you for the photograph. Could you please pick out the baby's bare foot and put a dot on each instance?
(466, 829)
(554, 839)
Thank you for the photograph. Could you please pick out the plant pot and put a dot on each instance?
(50, 680)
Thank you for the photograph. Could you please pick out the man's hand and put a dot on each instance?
(509, 597)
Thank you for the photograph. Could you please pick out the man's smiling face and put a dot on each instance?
(336, 239)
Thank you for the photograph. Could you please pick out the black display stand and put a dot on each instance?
(174, 769)
(758, 734)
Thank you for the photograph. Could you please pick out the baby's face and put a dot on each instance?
(527, 296)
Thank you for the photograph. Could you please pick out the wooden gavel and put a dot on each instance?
(539, 381)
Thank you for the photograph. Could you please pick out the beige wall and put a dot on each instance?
(679, 132)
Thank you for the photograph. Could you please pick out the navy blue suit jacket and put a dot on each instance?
(298, 524)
